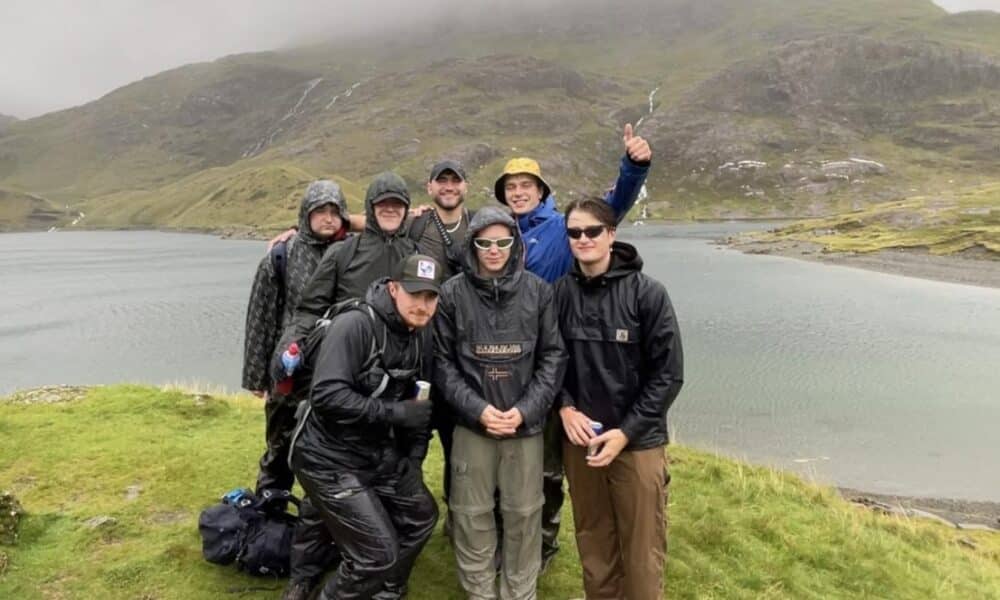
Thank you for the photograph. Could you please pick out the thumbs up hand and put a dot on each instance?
(636, 147)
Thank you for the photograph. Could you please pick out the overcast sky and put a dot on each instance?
(59, 53)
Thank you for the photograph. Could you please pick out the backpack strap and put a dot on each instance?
(279, 265)
(269, 497)
(374, 355)
(418, 225)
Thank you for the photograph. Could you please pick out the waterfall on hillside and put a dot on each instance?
(641, 200)
(293, 112)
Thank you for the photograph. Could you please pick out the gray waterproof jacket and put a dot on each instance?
(273, 298)
(349, 267)
(496, 340)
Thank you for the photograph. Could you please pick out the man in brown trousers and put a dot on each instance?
(625, 369)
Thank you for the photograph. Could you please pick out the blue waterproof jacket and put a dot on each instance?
(544, 229)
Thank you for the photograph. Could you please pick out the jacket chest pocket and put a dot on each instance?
(596, 331)
(504, 367)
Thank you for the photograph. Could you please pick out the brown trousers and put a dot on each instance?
(620, 516)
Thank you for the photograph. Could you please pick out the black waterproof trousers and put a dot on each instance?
(552, 487)
(379, 521)
(279, 419)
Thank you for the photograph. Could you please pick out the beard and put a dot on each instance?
(449, 203)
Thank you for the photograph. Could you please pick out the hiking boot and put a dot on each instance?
(297, 590)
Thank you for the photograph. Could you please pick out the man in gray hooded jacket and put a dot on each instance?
(348, 268)
(277, 286)
(499, 362)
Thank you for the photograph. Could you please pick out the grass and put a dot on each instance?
(946, 224)
(736, 531)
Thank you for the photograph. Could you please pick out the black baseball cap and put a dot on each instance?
(418, 273)
(448, 165)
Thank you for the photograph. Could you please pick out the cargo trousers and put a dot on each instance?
(620, 517)
(480, 465)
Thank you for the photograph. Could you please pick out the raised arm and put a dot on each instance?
(632, 173)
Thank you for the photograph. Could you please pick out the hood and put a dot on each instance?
(319, 194)
(379, 299)
(484, 217)
(625, 260)
(385, 184)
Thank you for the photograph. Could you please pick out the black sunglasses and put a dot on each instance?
(593, 232)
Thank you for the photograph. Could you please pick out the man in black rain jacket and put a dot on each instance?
(358, 451)
(277, 286)
(499, 362)
(348, 267)
(625, 370)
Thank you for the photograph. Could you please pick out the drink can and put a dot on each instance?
(423, 390)
(598, 428)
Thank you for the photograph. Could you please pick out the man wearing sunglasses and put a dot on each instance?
(625, 369)
(522, 188)
(499, 360)
(358, 450)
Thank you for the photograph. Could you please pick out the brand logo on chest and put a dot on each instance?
(497, 350)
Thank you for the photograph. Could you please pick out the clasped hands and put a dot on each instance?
(501, 423)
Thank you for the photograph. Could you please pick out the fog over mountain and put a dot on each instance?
(67, 53)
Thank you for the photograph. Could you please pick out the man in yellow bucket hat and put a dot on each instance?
(547, 254)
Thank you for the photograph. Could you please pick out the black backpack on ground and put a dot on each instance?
(253, 531)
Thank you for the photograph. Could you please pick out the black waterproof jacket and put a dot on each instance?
(626, 365)
(349, 267)
(272, 300)
(496, 341)
(347, 427)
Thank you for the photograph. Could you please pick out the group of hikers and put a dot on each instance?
(547, 350)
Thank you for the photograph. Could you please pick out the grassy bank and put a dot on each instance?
(151, 459)
(957, 223)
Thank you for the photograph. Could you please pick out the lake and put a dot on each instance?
(873, 381)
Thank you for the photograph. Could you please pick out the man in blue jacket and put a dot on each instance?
(543, 229)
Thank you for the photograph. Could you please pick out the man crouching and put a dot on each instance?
(359, 450)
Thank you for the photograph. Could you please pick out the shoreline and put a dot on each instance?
(980, 271)
(961, 514)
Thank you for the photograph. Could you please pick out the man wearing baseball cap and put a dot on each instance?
(441, 232)
(358, 450)
(522, 188)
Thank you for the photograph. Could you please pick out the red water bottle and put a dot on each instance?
(290, 359)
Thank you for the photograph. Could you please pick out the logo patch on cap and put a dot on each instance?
(426, 269)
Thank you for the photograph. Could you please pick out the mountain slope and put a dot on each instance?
(720, 87)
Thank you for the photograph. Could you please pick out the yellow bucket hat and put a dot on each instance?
(521, 166)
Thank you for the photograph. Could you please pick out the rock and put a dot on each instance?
(968, 543)
(132, 492)
(50, 394)
(976, 527)
(10, 518)
(101, 521)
